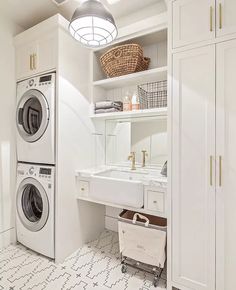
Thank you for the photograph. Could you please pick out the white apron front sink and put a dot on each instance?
(118, 187)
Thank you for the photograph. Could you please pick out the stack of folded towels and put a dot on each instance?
(108, 107)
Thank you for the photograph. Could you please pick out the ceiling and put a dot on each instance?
(27, 13)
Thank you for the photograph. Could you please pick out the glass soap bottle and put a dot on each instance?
(135, 102)
(127, 105)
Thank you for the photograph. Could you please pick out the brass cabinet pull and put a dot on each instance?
(34, 61)
(211, 18)
(220, 15)
(220, 170)
(211, 170)
(31, 67)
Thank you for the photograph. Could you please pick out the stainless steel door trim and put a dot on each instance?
(32, 226)
(45, 115)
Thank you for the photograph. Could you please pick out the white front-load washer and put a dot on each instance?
(35, 222)
(35, 119)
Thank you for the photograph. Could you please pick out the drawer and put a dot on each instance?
(83, 188)
(155, 201)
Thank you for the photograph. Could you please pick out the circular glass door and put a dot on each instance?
(32, 204)
(32, 115)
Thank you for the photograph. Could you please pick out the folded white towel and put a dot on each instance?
(108, 105)
(110, 110)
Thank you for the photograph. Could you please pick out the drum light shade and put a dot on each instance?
(92, 24)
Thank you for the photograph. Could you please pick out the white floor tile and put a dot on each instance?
(96, 266)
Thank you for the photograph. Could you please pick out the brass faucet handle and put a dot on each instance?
(132, 158)
(145, 153)
(132, 155)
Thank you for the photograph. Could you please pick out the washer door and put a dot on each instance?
(32, 115)
(32, 204)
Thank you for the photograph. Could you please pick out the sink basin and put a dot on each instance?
(118, 187)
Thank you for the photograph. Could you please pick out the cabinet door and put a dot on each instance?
(46, 57)
(193, 21)
(226, 171)
(24, 60)
(36, 57)
(192, 173)
(225, 17)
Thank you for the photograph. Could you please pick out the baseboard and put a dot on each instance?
(8, 237)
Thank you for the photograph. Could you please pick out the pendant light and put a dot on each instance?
(92, 24)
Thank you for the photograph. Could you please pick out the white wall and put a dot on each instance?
(149, 11)
(7, 130)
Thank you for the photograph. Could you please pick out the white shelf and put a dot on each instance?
(141, 210)
(151, 75)
(156, 112)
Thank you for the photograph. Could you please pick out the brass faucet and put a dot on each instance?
(132, 158)
(144, 157)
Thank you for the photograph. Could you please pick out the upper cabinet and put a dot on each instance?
(193, 21)
(36, 52)
(202, 20)
(225, 20)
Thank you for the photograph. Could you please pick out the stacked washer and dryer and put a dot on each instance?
(35, 198)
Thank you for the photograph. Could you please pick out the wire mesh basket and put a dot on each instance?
(153, 95)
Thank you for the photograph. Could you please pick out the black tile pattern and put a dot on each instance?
(94, 266)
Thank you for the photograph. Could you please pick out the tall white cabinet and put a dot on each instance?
(226, 165)
(193, 195)
(203, 145)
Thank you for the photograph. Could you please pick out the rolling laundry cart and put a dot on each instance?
(142, 242)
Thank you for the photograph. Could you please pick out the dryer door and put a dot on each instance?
(32, 204)
(32, 115)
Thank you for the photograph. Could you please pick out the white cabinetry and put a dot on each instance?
(193, 21)
(24, 60)
(193, 194)
(35, 56)
(226, 166)
(203, 132)
(225, 17)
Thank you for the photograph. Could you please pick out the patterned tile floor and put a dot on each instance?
(95, 266)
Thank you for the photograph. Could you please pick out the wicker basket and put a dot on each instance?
(153, 95)
(123, 60)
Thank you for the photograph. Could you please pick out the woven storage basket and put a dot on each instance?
(123, 60)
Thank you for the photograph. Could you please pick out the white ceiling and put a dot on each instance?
(27, 13)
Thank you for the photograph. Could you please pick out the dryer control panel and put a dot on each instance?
(35, 171)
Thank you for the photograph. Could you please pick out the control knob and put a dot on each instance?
(31, 82)
(31, 170)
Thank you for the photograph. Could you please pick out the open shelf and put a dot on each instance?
(156, 112)
(151, 75)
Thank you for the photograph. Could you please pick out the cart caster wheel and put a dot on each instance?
(155, 282)
(124, 269)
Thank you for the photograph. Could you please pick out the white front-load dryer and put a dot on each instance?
(35, 119)
(35, 223)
